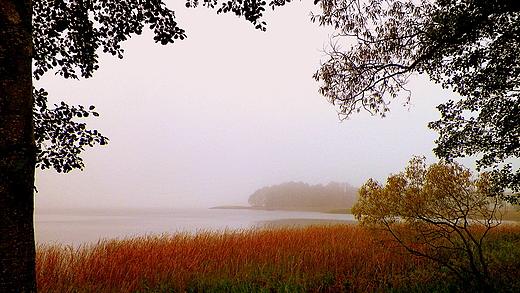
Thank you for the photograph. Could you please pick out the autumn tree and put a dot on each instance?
(441, 212)
(470, 47)
(64, 37)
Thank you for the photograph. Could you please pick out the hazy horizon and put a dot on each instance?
(209, 120)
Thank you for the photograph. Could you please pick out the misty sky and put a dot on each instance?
(208, 120)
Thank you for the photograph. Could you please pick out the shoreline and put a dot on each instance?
(290, 223)
(327, 210)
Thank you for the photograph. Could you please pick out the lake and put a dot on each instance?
(77, 226)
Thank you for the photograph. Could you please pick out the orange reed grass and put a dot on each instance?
(315, 258)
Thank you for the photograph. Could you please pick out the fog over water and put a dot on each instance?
(77, 226)
(209, 120)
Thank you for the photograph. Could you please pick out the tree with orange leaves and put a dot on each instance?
(442, 212)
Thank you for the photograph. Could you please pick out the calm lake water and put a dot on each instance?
(77, 226)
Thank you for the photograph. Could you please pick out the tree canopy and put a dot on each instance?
(471, 47)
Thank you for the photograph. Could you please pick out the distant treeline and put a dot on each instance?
(335, 195)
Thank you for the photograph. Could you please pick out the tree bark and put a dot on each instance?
(17, 149)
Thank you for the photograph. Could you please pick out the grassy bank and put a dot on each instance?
(339, 258)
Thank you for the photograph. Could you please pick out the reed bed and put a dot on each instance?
(336, 258)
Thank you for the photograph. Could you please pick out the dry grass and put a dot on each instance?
(337, 258)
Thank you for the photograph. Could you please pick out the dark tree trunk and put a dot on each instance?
(17, 149)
